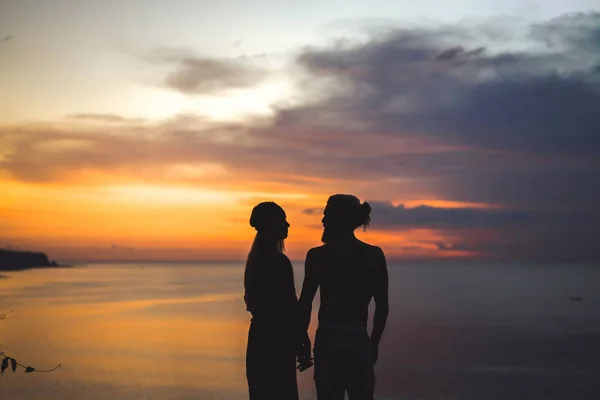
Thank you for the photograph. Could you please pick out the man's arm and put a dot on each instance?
(382, 306)
(309, 289)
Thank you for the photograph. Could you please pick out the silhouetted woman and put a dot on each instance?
(270, 295)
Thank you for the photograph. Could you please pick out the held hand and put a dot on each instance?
(304, 364)
(303, 355)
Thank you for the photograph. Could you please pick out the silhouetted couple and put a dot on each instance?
(348, 272)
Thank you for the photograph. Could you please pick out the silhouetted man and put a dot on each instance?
(349, 273)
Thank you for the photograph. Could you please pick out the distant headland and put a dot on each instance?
(14, 260)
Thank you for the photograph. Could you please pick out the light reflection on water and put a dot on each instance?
(160, 332)
(178, 331)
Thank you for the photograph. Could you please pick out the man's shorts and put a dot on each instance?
(343, 363)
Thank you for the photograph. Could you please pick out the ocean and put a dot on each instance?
(178, 331)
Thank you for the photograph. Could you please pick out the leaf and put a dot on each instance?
(13, 363)
(4, 364)
(29, 369)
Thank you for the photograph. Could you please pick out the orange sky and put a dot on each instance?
(147, 221)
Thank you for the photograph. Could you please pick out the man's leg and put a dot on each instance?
(329, 372)
(360, 375)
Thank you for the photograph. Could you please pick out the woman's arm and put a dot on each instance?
(309, 288)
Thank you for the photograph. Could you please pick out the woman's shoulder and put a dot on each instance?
(284, 259)
(272, 258)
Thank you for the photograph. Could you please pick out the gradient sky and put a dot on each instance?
(149, 129)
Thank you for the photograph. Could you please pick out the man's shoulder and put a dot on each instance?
(369, 247)
(315, 251)
(362, 246)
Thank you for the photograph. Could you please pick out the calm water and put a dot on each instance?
(178, 331)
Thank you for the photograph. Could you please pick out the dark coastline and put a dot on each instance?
(14, 260)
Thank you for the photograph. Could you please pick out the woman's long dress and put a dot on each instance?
(270, 296)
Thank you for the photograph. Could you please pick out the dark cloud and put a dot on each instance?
(458, 53)
(410, 83)
(193, 74)
(386, 215)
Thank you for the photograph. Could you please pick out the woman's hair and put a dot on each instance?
(262, 216)
(346, 211)
(261, 245)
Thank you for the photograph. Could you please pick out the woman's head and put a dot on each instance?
(344, 212)
(269, 220)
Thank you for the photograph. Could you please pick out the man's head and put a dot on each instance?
(343, 214)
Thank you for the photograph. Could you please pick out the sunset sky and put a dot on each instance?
(149, 129)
